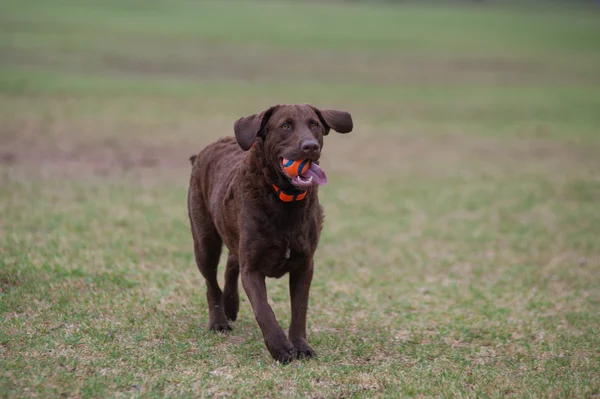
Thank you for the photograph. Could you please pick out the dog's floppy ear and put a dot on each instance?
(247, 128)
(340, 121)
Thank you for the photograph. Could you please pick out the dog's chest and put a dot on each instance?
(284, 258)
(282, 241)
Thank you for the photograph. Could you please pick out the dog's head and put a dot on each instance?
(293, 132)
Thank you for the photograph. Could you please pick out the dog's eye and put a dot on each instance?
(286, 126)
(314, 125)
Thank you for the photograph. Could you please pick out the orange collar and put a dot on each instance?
(290, 196)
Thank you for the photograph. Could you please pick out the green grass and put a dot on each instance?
(461, 250)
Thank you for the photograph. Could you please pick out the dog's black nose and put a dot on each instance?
(310, 147)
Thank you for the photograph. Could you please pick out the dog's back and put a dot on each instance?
(215, 165)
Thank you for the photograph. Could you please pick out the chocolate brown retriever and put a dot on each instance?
(270, 223)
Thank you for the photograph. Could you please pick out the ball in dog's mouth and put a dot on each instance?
(303, 173)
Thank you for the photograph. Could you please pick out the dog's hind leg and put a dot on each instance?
(207, 250)
(231, 297)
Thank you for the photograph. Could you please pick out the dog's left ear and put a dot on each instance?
(340, 121)
(247, 128)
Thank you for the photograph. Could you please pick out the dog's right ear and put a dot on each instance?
(246, 129)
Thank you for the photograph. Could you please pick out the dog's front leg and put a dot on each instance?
(277, 343)
(299, 287)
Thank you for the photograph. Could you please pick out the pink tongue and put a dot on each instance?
(317, 174)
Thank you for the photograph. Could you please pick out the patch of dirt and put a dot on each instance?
(6, 283)
(7, 158)
(381, 154)
(109, 157)
(452, 155)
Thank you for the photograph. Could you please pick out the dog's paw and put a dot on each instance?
(283, 355)
(302, 350)
(281, 349)
(219, 326)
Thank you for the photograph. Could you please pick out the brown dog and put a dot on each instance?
(239, 195)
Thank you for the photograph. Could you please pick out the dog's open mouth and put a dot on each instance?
(310, 176)
(314, 175)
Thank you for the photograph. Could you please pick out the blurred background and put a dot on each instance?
(462, 211)
(173, 74)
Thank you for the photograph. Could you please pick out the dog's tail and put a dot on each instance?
(193, 159)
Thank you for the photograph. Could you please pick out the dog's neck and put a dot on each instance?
(281, 185)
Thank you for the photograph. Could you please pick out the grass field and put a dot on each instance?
(461, 251)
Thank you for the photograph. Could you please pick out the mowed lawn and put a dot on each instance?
(461, 251)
